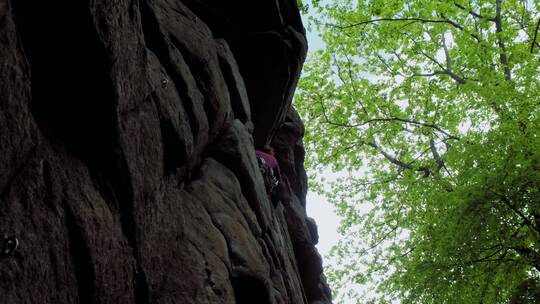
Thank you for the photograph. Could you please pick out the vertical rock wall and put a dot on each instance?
(127, 164)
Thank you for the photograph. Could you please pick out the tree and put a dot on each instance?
(432, 107)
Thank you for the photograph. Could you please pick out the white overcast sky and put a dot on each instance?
(317, 206)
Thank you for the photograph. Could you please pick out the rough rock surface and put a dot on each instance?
(127, 161)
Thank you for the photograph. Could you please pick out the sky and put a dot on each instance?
(317, 206)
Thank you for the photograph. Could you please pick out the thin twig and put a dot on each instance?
(535, 35)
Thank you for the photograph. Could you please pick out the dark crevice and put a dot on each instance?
(247, 184)
(270, 243)
(228, 18)
(264, 63)
(290, 14)
(54, 267)
(267, 254)
(220, 24)
(174, 149)
(73, 99)
(142, 290)
(49, 185)
(82, 263)
(247, 188)
(210, 280)
(250, 290)
(75, 105)
(174, 154)
(234, 94)
(308, 259)
(19, 170)
(115, 186)
(200, 73)
(47, 179)
(155, 42)
(300, 189)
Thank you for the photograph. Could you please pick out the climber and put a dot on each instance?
(269, 170)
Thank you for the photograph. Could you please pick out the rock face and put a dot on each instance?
(127, 153)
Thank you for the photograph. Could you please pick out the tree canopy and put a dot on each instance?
(432, 109)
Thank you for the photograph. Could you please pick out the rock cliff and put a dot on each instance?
(127, 153)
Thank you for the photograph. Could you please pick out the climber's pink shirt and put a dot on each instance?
(269, 159)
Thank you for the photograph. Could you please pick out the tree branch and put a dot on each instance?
(527, 221)
(524, 27)
(473, 13)
(444, 70)
(437, 156)
(388, 67)
(476, 37)
(387, 119)
(398, 162)
(421, 20)
(351, 79)
(454, 77)
(432, 59)
(352, 83)
(498, 29)
(535, 35)
(414, 122)
(446, 54)
(378, 242)
(487, 258)
(529, 254)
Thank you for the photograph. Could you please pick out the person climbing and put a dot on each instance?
(269, 170)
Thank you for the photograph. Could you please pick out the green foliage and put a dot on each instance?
(433, 109)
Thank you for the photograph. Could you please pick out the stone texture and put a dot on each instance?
(127, 153)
